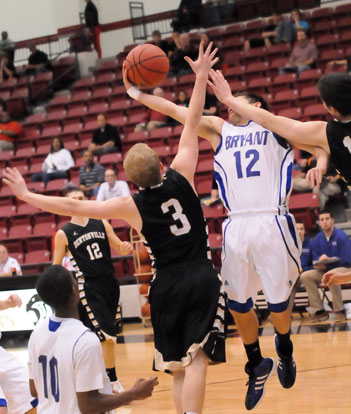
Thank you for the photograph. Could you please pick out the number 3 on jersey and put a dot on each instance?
(178, 216)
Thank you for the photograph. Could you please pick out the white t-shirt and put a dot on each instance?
(11, 263)
(62, 160)
(65, 357)
(119, 189)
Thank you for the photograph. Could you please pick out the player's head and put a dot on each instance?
(75, 192)
(335, 91)
(101, 120)
(56, 144)
(4, 254)
(252, 99)
(326, 221)
(110, 177)
(57, 288)
(143, 166)
(300, 225)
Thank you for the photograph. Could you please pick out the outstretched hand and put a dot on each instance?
(13, 300)
(15, 181)
(126, 82)
(314, 177)
(220, 86)
(125, 248)
(336, 277)
(205, 61)
(143, 388)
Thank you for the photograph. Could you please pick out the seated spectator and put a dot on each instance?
(7, 46)
(306, 258)
(38, 60)
(330, 243)
(211, 13)
(179, 66)
(287, 29)
(268, 36)
(342, 62)
(9, 130)
(183, 99)
(157, 41)
(106, 138)
(91, 175)
(153, 119)
(56, 164)
(330, 186)
(7, 69)
(187, 16)
(112, 187)
(9, 266)
(304, 55)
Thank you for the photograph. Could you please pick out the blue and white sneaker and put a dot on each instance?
(286, 368)
(257, 379)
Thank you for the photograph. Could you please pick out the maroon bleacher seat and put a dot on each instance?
(327, 41)
(204, 166)
(308, 78)
(322, 13)
(308, 96)
(104, 78)
(100, 94)
(79, 97)
(44, 229)
(56, 184)
(284, 99)
(203, 187)
(27, 209)
(25, 150)
(3, 233)
(59, 102)
(34, 243)
(294, 113)
(316, 111)
(20, 164)
(35, 120)
(51, 131)
(304, 206)
(282, 82)
(40, 85)
(328, 55)
(259, 85)
(20, 231)
(323, 27)
(342, 10)
(40, 256)
(16, 104)
(43, 148)
(84, 84)
(254, 55)
(255, 70)
(18, 256)
(36, 187)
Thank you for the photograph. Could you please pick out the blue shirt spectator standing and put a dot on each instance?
(330, 243)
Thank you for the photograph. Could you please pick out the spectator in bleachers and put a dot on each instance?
(38, 60)
(288, 29)
(331, 249)
(56, 164)
(9, 266)
(9, 130)
(7, 69)
(183, 99)
(306, 258)
(91, 175)
(7, 46)
(268, 37)
(91, 16)
(342, 62)
(187, 16)
(157, 41)
(210, 107)
(112, 187)
(106, 138)
(330, 186)
(185, 47)
(211, 13)
(303, 56)
(153, 119)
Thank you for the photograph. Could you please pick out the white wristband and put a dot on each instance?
(134, 92)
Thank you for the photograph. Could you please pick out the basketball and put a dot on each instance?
(144, 278)
(147, 65)
(143, 254)
(144, 289)
(145, 309)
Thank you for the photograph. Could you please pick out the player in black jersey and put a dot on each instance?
(88, 242)
(186, 295)
(331, 138)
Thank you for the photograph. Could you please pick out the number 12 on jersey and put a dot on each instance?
(253, 155)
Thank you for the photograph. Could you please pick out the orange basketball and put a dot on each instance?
(147, 65)
(144, 289)
(144, 268)
(143, 254)
(145, 309)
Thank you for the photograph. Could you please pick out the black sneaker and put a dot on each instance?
(257, 379)
(286, 368)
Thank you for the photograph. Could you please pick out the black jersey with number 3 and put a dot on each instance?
(339, 140)
(90, 248)
(173, 222)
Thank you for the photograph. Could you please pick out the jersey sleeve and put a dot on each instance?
(88, 363)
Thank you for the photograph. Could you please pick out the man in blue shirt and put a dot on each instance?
(330, 243)
(306, 258)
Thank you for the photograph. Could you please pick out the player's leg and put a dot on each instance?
(108, 350)
(178, 380)
(311, 279)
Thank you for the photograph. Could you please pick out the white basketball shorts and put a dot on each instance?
(260, 252)
(14, 385)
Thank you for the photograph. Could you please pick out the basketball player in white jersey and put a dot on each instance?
(253, 168)
(66, 365)
(15, 397)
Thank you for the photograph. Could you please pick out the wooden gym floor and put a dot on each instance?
(322, 353)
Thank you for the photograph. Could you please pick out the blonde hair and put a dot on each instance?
(142, 165)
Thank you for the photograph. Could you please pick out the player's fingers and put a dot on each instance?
(209, 83)
(212, 55)
(201, 48)
(208, 49)
(214, 61)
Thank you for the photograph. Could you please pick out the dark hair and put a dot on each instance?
(253, 98)
(301, 222)
(3, 244)
(335, 91)
(102, 114)
(298, 12)
(71, 188)
(325, 212)
(156, 33)
(52, 144)
(55, 286)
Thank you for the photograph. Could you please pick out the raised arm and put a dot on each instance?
(186, 159)
(210, 127)
(122, 247)
(119, 207)
(61, 243)
(312, 133)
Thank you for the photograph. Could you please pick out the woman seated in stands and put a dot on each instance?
(56, 164)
